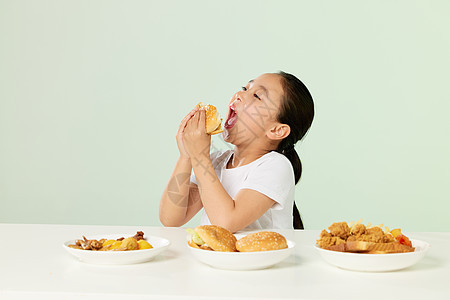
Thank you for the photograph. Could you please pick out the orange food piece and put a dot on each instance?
(396, 232)
(403, 240)
(143, 244)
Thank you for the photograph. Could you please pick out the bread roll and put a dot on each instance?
(217, 238)
(213, 120)
(261, 241)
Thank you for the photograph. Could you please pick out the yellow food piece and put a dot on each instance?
(129, 244)
(396, 232)
(108, 242)
(143, 244)
(116, 245)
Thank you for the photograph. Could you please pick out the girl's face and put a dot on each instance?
(253, 110)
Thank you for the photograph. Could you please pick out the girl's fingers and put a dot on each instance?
(202, 119)
(194, 119)
(189, 115)
(186, 119)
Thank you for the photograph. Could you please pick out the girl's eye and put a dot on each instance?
(244, 88)
(256, 96)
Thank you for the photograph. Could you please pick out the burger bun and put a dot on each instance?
(217, 238)
(213, 120)
(261, 241)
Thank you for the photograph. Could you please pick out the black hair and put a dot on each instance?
(297, 111)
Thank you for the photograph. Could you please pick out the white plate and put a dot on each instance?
(375, 262)
(242, 260)
(119, 257)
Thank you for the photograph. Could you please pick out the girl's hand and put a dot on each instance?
(195, 139)
(180, 133)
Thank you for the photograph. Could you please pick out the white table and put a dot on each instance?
(33, 265)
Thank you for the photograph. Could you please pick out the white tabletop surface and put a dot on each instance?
(33, 265)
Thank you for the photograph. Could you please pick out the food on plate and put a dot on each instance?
(136, 242)
(397, 234)
(216, 238)
(359, 238)
(129, 244)
(261, 241)
(143, 244)
(213, 120)
(212, 237)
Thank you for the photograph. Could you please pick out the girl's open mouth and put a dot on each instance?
(232, 118)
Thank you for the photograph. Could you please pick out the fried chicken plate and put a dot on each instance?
(361, 239)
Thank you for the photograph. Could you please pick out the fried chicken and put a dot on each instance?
(327, 240)
(358, 230)
(343, 238)
(340, 229)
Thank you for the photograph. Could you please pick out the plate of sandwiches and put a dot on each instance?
(369, 248)
(217, 247)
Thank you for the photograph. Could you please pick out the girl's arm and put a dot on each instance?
(180, 200)
(247, 206)
(234, 214)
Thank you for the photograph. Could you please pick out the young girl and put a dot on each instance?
(252, 186)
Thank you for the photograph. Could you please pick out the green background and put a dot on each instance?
(92, 93)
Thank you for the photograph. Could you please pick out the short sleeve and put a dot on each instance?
(273, 177)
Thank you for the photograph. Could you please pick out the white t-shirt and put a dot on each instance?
(272, 175)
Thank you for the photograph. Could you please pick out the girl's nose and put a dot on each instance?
(238, 96)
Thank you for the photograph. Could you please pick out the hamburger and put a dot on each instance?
(212, 237)
(213, 120)
(261, 241)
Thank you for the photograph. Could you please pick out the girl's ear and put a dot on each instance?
(279, 132)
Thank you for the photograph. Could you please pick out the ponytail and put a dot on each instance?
(293, 157)
(297, 111)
